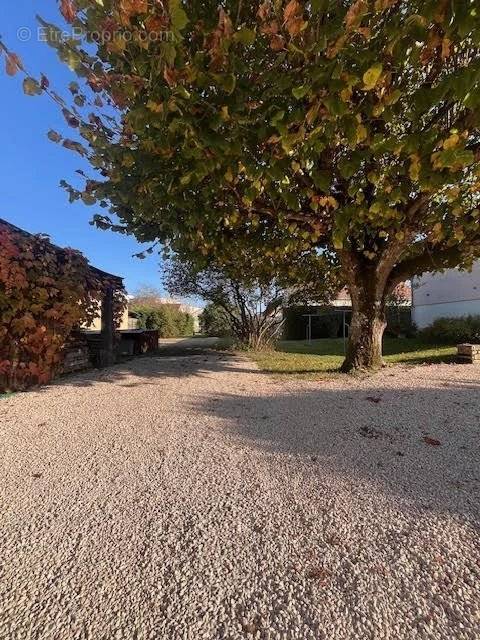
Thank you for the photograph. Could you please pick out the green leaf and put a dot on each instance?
(245, 36)
(229, 82)
(31, 87)
(291, 200)
(300, 92)
(372, 76)
(278, 117)
(341, 228)
(50, 33)
(454, 158)
(177, 15)
(349, 166)
(319, 6)
(394, 97)
(322, 179)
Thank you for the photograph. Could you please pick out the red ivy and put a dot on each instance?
(44, 294)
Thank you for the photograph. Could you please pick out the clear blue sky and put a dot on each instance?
(31, 166)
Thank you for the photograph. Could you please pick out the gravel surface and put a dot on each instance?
(195, 498)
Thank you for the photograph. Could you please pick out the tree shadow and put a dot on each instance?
(420, 446)
(167, 362)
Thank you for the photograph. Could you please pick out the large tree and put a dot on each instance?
(349, 126)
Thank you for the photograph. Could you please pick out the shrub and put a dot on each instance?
(167, 319)
(453, 330)
(214, 322)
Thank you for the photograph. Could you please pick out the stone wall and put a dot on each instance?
(469, 353)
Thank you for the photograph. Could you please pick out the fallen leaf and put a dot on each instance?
(319, 574)
(372, 399)
(431, 441)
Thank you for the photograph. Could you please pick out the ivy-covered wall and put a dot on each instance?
(45, 292)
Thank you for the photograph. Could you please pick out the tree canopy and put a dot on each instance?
(290, 126)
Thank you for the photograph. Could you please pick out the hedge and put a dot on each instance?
(168, 320)
(453, 330)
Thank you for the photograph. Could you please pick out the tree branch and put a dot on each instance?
(431, 259)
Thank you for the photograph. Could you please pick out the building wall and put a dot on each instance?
(97, 323)
(450, 294)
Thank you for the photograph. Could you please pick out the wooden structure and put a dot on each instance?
(104, 355)
(136, 342)
(469, 353)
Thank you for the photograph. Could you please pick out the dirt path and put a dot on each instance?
(194, 498)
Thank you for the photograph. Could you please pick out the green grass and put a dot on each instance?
(322, 358)
(9, 394)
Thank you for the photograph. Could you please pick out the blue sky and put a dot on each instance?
(31, 166)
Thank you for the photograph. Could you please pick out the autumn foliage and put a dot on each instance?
(45, 292)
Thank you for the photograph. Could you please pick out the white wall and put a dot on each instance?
(451, 294)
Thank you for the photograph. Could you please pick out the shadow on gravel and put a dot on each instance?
(422, 445)
(167, 362)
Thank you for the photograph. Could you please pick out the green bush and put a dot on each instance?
(214, 322)
(168, 320)
(453, 330)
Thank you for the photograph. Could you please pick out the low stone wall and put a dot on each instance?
(469, 353)
(77, 358)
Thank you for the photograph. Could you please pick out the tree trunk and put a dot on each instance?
(368, 290)
(364, 351)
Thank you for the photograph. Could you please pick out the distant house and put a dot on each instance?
(403, 293)
(450, 294)
(333, 319)
(127, 321)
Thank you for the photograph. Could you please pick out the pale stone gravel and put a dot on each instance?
(195, 498)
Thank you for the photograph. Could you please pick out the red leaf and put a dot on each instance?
(319, 574)
(13, 64)
(170, 76)
(68, 10)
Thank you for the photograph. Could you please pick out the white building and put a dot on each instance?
(450, 294)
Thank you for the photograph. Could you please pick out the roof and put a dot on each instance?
(101, 274)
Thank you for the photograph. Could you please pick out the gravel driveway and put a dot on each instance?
(195, 498)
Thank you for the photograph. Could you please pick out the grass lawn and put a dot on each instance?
(324, 357)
